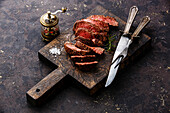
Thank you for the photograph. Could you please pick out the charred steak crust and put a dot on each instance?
(97, 42)
(82, 46)
(91, 27)
(88, 34)
(84, 24)
(93, 42)
(102, 25)
(84, 33)
(97, 50)
(73, 50)
(107, 19)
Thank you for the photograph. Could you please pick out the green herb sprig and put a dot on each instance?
(110, 45)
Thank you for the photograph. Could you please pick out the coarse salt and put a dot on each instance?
(55, 51)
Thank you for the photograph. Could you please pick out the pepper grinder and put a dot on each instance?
(49, 25)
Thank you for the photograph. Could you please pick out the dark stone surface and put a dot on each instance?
(142, 88)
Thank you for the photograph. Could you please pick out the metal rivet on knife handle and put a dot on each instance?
(141, 25)
(132, 13)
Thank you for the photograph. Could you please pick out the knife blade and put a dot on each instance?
(145, 20)
(121, 46)
(141, 25)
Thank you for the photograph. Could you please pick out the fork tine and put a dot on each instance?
(121, 56)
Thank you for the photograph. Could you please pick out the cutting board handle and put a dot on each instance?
(48, 86)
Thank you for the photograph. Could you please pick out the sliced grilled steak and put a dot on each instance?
(91, 27)
(82, 46)
(110, 20)
(97, 50)
(93, 42)
(73, 50)
(84, 33)
(84, 24)
(86, 65)
(97, 42)
(88, 34)
(84, 58)
(102, 25)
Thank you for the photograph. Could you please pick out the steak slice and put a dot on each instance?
(84, 24)
(86, 66)
(110, 20)
(93, 42)
(97, 50)
(89, 35)
(97, 42)
(86, 63)
(102, 25)
(84, 58)
(84, 33)
(73, 50)
(91, 27)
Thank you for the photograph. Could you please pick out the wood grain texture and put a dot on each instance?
(90, 81)
(41, 91)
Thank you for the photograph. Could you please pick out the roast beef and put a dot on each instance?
(73, 50)
(110, 20)
(93, 42)
(84, 24)
(84, 33)
(97, 42)
(84, 58)
(102, 25)
(88, 34)
(87, 66)
(97, 50)
(91, 27)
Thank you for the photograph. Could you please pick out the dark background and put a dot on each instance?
(142, 88)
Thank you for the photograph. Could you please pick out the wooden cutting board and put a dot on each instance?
(67, 73)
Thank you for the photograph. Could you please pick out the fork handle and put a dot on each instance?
(141, 25)
(132, 13)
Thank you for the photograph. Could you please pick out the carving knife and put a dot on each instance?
(121, 46)
(141, 25)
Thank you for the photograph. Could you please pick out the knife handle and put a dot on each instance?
(141, 25)
(132, 13)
